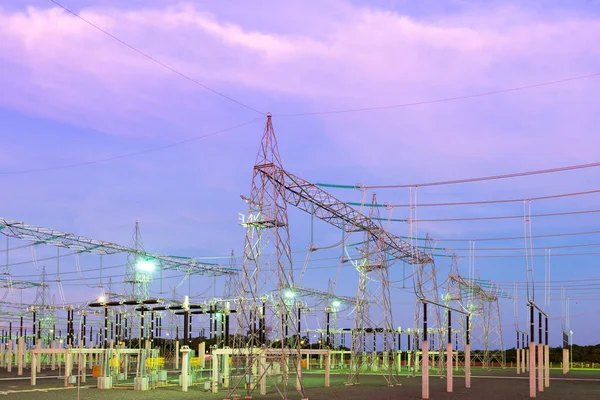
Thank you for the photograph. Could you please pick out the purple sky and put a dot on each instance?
(70, 94)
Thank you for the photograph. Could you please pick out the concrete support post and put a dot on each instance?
(518, 361)
(262, 373)
(532, 393)
(82, 368)
(177, 354)
(33, 367)
(67, 367)
(9, 351)
(565, 362)
(53, 356)
(425, 371)
(215, 373)
(546, 366)
(449, 367)
(185, 350)
(226, 360)
(299, 372)
(468, 366)
(20, 355)
(540, 353)
(524, 364)
(327, 368)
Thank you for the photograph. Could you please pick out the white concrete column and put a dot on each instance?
(565, 361)
(20, 355)
(9, 351)
(468, 365)
(425, 371)
(540, 351)
(518, 361)
(299, 372)
(215, 372)
(449, 367)
(262, 360)
(185, 350)
(327, 368)
(39, 358)
(53, 356)
(225, 370)
(177, 354)
(33, 368)
(546, 366)
(532, 393)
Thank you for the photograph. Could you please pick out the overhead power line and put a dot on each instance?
(135, 153)
(444, 100)
(560, 234)
(466, 180)
(509, 216)
(151, 58)
(471, 203)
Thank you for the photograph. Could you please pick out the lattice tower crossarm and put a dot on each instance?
(314, 200)
(81, 244)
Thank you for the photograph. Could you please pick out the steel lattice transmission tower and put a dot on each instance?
(481, 299)
(426, 289)
(373, 331)
(136, 280)
(266, 300)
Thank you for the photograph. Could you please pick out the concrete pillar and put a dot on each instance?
(532, 393)
(53, 356)
(565, 362)
(215, 373)
(262, 361)
(468, 366)
(82, 368)
(225, 370)
(20, 355)
(546, 366)
(39, 357)
(67, 367)
(327, 368)
(449, 367)
(185, 350)
(540, 351)
(518, 361)
(299, 372)
(177, 354)
(33, 367)
(9, 352)
(90, 357)
(125, 366)
(2, 356)
(425, 371)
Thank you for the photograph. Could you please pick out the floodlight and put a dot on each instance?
(102, 299)
(289, 294)
(145, 265)
(336, 303)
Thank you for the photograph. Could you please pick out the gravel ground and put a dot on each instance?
(495, 384)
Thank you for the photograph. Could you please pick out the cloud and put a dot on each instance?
(60, 67)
